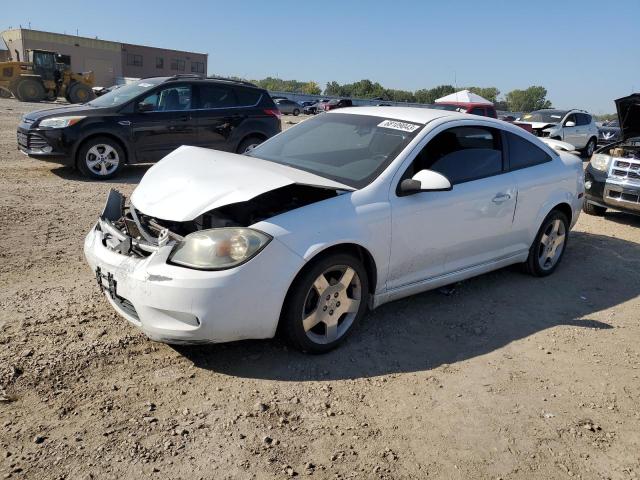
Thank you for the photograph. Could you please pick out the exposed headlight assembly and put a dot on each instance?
(60, 122)
(218, 248)
(600, 162)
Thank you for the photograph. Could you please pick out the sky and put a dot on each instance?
(586, 53)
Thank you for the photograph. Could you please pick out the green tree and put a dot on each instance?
(311, 88)
(533, 98)
(490, 93)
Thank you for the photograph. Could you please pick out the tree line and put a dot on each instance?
(529, 99)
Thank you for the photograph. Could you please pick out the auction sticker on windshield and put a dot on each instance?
(396, 125)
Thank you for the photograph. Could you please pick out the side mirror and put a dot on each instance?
(146, 107)
(425, 181)
(569, 124)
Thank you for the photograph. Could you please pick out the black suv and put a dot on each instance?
(144, 121)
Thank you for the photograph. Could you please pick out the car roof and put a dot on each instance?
(409, 114)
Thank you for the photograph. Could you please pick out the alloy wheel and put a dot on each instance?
(551, 244)
(332, 304)
(102, 159)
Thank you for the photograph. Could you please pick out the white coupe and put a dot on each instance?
(339, 214)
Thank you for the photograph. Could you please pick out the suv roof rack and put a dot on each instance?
(234, 80)
(199, 76)
(185, 75)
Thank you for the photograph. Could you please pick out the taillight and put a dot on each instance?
(273, 112)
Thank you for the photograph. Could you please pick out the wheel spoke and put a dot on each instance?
(94, 150)
(103, 168)
(544, 240)
(108, 150)
(92, 163)
(332, 332)
(311, 320)
(321, 284)
(351, 305)
(556, 227)
(559, 240)
(347, 276)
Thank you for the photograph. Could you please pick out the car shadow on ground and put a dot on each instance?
(130, 174)
(425, 331)
(623, 218)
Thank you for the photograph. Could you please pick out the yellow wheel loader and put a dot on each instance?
(42, 78)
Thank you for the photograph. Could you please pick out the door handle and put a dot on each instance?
(501, 198)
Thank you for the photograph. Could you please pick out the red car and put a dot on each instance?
(482, 109)
(333, 104)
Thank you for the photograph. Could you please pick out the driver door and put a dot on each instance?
(436, 233)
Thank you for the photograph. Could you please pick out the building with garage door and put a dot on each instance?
(111, 62)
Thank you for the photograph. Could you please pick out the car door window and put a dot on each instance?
(462, 154)
(169, 99)
(583, 119)
(217, 96)
(523, 153)
(478, 111)
(247, 97)
(571, 118)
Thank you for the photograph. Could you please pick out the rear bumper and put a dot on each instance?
(173, 304)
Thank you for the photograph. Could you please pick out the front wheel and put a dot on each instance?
(549, 245)
(100, 158)
(296, 112)
(325, 303)
(591, 209)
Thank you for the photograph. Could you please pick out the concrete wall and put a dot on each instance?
(150, 56)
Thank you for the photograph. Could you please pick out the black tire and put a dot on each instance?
(5, 93)
(304, 299)
(30, 90)
(590, 148)
(103, 146)
(533, 264)
(591, 209)
(80, 93)
(296, 112)
(249, 143)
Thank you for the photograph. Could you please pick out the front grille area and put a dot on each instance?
(627, 197)
(627, 170)
(32, 141)
(127, 306)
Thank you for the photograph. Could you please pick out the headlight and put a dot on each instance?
(218, 248)
(600, 162)
(59, 122)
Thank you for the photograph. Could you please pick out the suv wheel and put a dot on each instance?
(592, 209)
(296, 112)
(249, 144)
(100, 158)
(590, 148)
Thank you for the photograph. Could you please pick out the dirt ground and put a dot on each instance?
(509, 377)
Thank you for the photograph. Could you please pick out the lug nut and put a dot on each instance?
(328, 297)
(330, 312)
(337, 304)
(324, 309)
(335, 295)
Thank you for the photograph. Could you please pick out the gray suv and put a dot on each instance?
(576, 127)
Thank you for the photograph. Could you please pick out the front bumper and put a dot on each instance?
(607, 192)
(46, 144)
(173, 304)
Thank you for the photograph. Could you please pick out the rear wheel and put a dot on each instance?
(325, 303)
(590, 148)
(5, 93)
(249, 144)
(100, 158)
(30, 90)
(591, 209)
(549, 245)
(296, 112)
(80, 93)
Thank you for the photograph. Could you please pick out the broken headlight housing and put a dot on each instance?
(218, 248)
(600, 162)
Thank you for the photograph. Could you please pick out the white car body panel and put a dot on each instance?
(192, 180)
(417, 242)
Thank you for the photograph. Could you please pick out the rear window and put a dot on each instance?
(217, 96)
(523, 153)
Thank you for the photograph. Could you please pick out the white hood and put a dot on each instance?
(537, 125)
(191, 181)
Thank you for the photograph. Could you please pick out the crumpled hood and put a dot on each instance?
(629, 115)
(191, 181)
(538, 125)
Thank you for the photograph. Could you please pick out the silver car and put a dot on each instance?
(288, 107)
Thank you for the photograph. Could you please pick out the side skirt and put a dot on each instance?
(446, 279)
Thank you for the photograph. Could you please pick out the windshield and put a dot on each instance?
(350, 149)
(544, 116)
(121, 95)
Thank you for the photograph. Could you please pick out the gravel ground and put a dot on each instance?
(508, 377)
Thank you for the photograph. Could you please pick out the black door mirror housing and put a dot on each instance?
(146, 107)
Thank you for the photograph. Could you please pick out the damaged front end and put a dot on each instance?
(129, 231)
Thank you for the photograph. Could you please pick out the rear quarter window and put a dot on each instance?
(247, 97)
(523, 153)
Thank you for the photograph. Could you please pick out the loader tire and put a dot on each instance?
(30, 90)
(80, 93)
